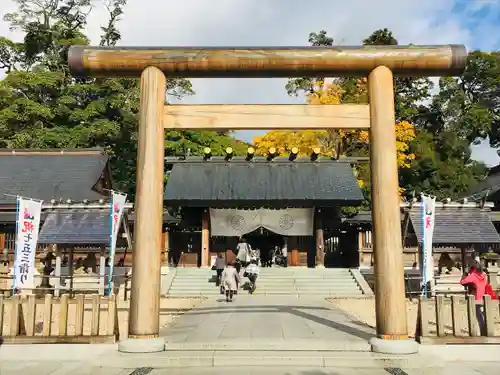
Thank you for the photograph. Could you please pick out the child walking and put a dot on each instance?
(230, 280)
(252, 272)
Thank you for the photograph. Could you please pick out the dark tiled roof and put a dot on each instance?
(455, 225)
(90, 227)
(285, 184)
(51, 175)
(9, 217)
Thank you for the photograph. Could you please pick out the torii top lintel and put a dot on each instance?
(241, 62)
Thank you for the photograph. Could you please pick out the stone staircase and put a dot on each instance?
(339, 282)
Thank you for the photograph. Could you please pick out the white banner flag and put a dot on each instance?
(28, 225)
(428, 218)
(117, 207)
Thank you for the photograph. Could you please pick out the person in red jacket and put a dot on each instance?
(477, 280)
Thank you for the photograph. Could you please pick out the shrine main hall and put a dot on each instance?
(266, 199)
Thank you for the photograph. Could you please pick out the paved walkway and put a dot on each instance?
(252, 335)
(257, 320)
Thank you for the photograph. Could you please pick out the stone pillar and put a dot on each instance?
(71, 251)
(320, 241)
(102, 271)
(57, 273)
(166, 246)
(360, 247)
(390, 303)
(205, 239)
(144, 318)
(5, 283)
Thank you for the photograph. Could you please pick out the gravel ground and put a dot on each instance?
(170, 308)
(363, 310)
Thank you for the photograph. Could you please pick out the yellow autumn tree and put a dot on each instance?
(334, 142)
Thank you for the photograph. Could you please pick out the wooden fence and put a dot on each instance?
(453, 320)
(82, 319)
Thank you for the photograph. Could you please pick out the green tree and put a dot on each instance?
(465, 110)
(442, 166)
(43, 106)
(408, 91)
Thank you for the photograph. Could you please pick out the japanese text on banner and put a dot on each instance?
(117, 207)
(26, 241)
(428, 221)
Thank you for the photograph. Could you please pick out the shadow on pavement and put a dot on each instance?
(293, 310)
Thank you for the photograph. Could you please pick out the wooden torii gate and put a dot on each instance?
(379, 63)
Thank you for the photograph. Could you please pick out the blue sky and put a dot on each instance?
(475, 23)
(482, 19)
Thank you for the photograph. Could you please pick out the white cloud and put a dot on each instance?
(281, 22)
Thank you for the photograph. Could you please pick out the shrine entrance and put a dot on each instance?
(378, 63)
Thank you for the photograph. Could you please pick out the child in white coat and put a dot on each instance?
(230, 280)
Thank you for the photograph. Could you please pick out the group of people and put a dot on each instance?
(230, 276)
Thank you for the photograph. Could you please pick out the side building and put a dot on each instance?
(75, 186)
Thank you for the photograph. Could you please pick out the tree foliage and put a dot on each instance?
(43, 106)
(433, 139)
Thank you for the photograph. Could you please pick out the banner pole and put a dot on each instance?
(14, 266)
(110, 273)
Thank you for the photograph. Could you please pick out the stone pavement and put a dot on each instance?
(254, 334)
(46, 368)
(267, 322)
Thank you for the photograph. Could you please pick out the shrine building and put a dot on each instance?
(267, 199)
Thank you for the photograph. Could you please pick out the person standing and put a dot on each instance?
(230, 280)
(220, 264)
(284, 252)
(243, 250)
(477, 281)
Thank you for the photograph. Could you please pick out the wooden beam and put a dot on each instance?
(283, 116)
(240, 62)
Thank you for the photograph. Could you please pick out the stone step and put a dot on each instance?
(278, 274)
(239, 360)
(353, 288)
(267, 287)
(254, 344)
(292, 281)
(266, 293)
(273, 271)
(270, 291)
(272, 282)
(325, 281)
